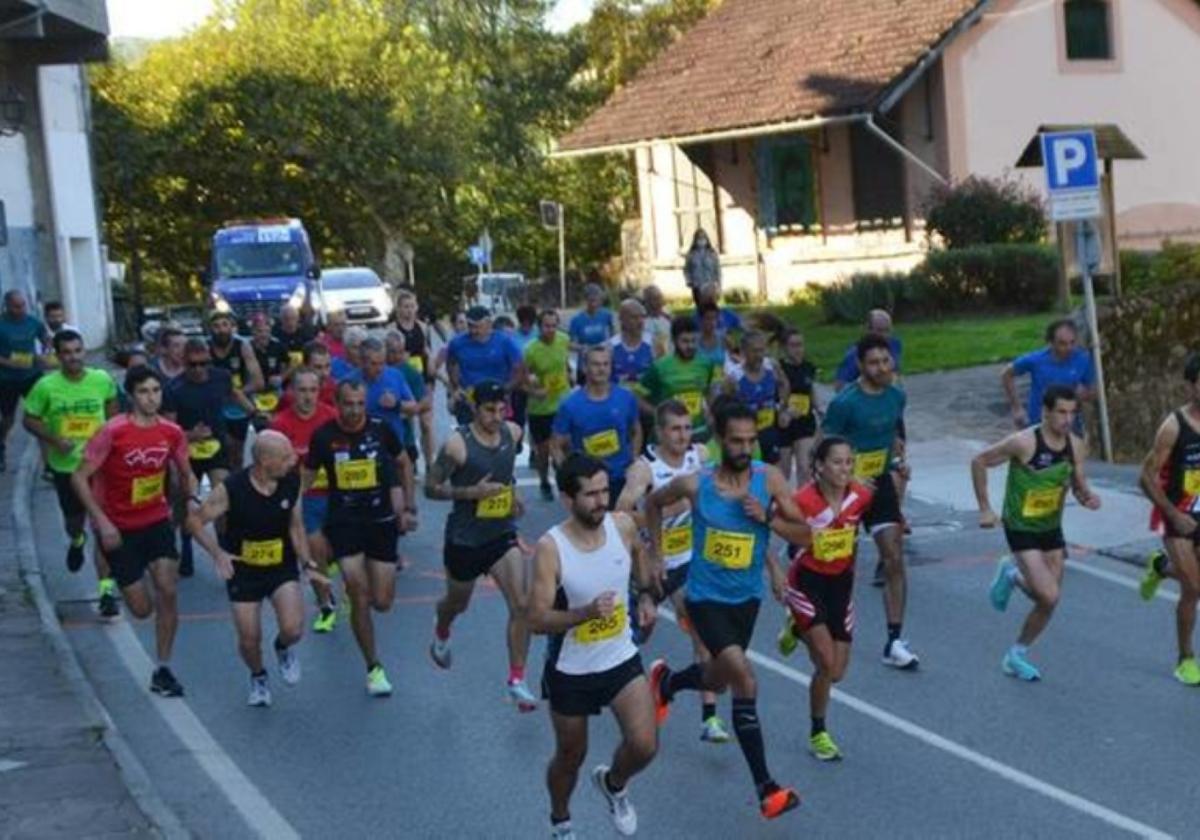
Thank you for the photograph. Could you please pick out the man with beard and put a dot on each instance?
(232, 353)
(583, 570)
(683, 376)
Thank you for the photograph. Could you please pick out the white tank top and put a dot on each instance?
(677, 529)
(600, 644)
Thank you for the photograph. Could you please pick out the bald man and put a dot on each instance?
(879, 322)
(259, 554)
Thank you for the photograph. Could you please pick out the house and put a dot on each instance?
(805, 135)
(50, 247)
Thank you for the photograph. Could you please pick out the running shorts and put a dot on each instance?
(814, 598)
(313, 510)
(1035, 540)
(885, 506)
(374, 540)
(723, 625)
(139, 549)
(581, 695)
(250, 585)
(465, 563)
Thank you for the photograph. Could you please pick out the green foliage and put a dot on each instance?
(983, 211)
(739, 296)
(1143, 271)
(849, 302)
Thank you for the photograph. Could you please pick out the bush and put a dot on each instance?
(738, 296)
(1001, 277)
(985, 211)
(1177, 262)
(849, 301)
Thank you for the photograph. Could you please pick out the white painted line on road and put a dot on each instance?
(260, 815)
(991, 765)
(1120, 580)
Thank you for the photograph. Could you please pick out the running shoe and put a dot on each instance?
(713, 731)
(624, 817)
(1148, 586)
(440, 653)
(377, 683)
(519, 693)
(108, 607)
(325, 620)
(786, 641)
(1016, 665)
(547, 493)
(879, 578)
(777, 801)
(562, 831)
(75, 554)
(260, 692)
(899, 655)
(164, 684)
(823, 748)
(289, 664)
(1188, 672)
(1002, 583)
(658, 673)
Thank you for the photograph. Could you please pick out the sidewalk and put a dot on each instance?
(58, 775)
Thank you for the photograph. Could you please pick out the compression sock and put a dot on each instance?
(749, 735)
(708, 710)
(818, 726)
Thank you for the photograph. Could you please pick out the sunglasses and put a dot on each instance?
(198, 364)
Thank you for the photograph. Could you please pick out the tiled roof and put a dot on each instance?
(759, 62)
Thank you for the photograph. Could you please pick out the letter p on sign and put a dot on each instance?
(1071, 161)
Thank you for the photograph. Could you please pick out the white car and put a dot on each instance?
(359, 293)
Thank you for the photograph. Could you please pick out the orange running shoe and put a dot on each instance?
(659, 672)
(778, 802)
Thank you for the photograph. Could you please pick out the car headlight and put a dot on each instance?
(220, 304)
(296, 301)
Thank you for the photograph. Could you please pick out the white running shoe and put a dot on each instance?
(289, 665)
(519, 693)
(260, 692)
(623, 816)
(439, 652)
(562, 831)
(899, 655)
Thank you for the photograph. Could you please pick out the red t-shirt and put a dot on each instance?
(834, 533)
(336, 348)
(300, 431)
(131, 481)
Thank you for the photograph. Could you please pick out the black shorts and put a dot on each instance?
(12, 392)
(139, 549)
(814, 598)
(68, 500)
(541, 427)
(237, 429)
(769, 443)
(464, 563)
(414, 453)
(798, 429)
(676, 578)
(1035, 540)
(885, 506)
(615, 486)
(519, 401)
(723, 625)
(580, 695)
(253, 584)
(374, 540)
(220, 461)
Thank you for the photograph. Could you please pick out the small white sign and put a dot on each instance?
(1075, 206)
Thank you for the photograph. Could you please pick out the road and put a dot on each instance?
(1098, 749)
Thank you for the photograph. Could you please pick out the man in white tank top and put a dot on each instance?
(673, 456)
(582, 573)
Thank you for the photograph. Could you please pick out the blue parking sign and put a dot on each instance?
(1072, 174)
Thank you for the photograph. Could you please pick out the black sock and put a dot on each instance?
(689, 679)
(279, 645)
(1160, 562)
(708, 710)
(749, 735)
(608, 785)
(258, 674)
(559, 820)
(818, 725)
(893, 632)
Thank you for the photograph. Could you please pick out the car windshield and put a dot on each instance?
(349, 280)
(259, 259)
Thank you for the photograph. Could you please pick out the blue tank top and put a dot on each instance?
(629, 366)
(760, 394)
(728, 547)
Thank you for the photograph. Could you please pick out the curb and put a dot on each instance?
(133, 774)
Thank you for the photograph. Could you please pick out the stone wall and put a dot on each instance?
(1146, 339)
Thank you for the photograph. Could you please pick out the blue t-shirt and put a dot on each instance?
(588, 329)
(628, 366)
(600, 428)
(728, 568)
(340, 369)
(480, 361)
(727, 320)
(390, 380)
(20, 338)
(1046, 369)
(870, 422)
(848, 371)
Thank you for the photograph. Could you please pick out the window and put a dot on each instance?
(1089, 30)
(695, 198)
(787, 183)
(878, 173)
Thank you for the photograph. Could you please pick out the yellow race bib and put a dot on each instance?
(765, 418)
(417, 363)
(603, 629)
(1191, 482)
(1043, 502)
(202, 450)
(79, 428)
(693, 401)
(800, 404)
(833, 544)
(21, 360)
(729, 549)
(237, 381)
(267, 401)
(320, 480)
(555, 383)
(870, 464)
(147, 489)
(262, 552)
(499, 506)
(295, 358)
(602, 444)
(677, 540)
(359, 474)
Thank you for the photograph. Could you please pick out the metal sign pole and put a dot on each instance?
(1086, 244)
(562, 258)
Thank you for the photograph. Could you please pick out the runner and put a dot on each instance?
(658, 324)
(879, 323)
(732, 508)
(820, 592)
(682, 376)
(800, 430)
(479, 356)
(600, 420)
(293, 333)
(583, 569)
(1061, 362)
(869, 413)
(168, 356)
(675, 455)
(399, 361)
(1176, 457)
(65, 409)
(272, 358)
(417, 346)
(1043, 461)
(349, 363)
(298, 422)
(366, 510)
(20, 365)
(257, 555)
(591, 326)
(474, 470)
(632, 355)
(549, 381)
(233, 353)
(335, 331)
(128, 460)
(762, 390)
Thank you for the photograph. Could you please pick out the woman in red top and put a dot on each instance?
(821, 580)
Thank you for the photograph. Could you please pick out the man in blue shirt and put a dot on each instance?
(1061, 362)
(879, 322)
(391, 400)
(631, 353)
(727, 320)
(600, 420)
(480, 355)
(594, 325)
(20, 364)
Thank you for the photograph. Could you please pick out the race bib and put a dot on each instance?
(320, 480)
(693, 401)
(237, 381)
(556, 383)
(417, 363)
(677, 540)
(800, 404)
(729, 549)
(267, 401)
(262, 552)
(603, 629)
(21, 360)
(296, 358)
(359, 474)
(833, 544)
(602, 444)
(1043, 502)
(499, 506)
(147, 489)
(1191, 482)
(870, 464)
(765, 418)
(202, 450)
(79, 428)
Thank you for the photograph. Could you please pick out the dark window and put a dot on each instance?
(1088, 24)
(878, 180)
(788, 184)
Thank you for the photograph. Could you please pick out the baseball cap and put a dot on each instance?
(489, 391)
(478, 313)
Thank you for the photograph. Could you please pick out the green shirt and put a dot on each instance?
(548, 362)
(870, 422)
(1035, 490)
(72, 410)
(672, 378)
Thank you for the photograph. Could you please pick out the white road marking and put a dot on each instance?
(260, 815)
(1120, 580)
(991, 765)
(7, 765)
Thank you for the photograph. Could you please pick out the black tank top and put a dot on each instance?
(231, 362)
(256, 526)
(1184, 465)
(1043, 456)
